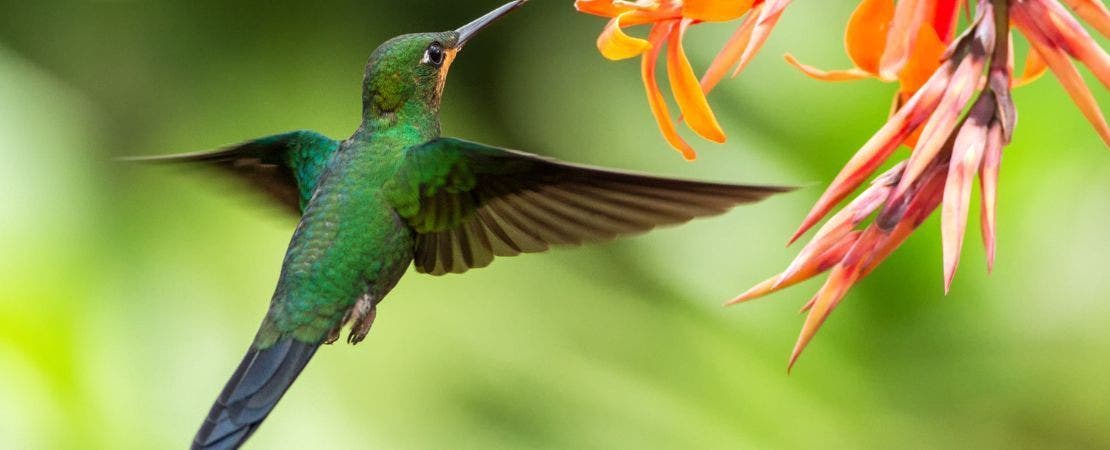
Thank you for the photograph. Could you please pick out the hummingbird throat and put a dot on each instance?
(449, 57)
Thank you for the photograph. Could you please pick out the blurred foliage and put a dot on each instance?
(127, 294)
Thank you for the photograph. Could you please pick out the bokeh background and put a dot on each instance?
(128, 294)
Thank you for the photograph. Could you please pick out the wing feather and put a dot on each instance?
(474, 202)
(284, 167)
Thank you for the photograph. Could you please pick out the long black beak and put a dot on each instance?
(469, 30)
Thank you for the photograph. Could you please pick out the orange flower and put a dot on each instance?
(669, 21)
(965, 116)
(901, 42)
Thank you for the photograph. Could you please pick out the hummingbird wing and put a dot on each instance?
(469, 202)
(284, 166)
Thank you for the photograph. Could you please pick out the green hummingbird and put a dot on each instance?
(396, 193)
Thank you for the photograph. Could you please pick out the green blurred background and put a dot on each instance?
(128, 294)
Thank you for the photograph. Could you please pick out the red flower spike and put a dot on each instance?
(965, 82)
(952, 148)
(880, 146)
(870, 248)
(849, 217)
(943, 121)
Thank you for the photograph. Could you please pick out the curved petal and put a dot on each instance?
(731, 53)
(615, 45)
(687, 92)
(745, 42)
(658, 105)
(852, 74)
(715, 10)
(1035, 67)
(865, 37)
(604, 8)
(769, 14)
(909, 16)
(923, 61)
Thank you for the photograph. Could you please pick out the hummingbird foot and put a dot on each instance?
(364, 311)
(333, 335)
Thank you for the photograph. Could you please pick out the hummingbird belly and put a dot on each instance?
(348, 252)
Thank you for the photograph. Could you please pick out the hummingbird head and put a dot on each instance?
(407, 73)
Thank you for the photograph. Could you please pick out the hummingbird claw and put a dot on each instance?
(363, 311)
(333, 335)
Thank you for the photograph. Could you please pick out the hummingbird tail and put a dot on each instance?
(252, 392)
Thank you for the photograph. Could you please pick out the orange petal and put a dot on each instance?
(731, 53)
(967, 154)
(615, 45)
(852, 74)
(715, 10)
(988, 184)
(607, 8)
(1035, 67)
(865, 37)
(1062, 67)
(745, 42)
(880, 146)
(909, 17)
(658, 105)
(1094, 12)
(769, 14)
(923, 61)
(687, 92)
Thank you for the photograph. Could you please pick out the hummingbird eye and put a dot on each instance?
(434, 55)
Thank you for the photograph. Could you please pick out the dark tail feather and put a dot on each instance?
(251, 393)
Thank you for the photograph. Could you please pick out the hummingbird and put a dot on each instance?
(396, 194)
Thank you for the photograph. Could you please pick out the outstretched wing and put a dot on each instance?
(284, 166)
(469, 202)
